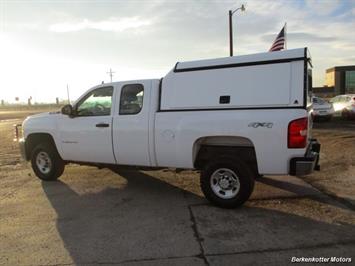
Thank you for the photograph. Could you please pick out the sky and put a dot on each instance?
(46, 45)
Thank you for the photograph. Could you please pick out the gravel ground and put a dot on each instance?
(337, 175)
(94, 216)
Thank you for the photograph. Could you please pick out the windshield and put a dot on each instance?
(317, 100)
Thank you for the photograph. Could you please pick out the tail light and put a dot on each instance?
(297, 133)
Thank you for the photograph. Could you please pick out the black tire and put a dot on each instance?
(56, 166)
(316, 119)
(243, 173)
(345, 114)
(328, 118)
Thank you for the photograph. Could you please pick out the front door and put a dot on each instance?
(86, 137)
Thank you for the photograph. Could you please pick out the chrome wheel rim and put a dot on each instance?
(43, 162)
(225, 183)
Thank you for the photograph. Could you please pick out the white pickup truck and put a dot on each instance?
(233, 118)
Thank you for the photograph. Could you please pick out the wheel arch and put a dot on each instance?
(209, 147)
(33, 139)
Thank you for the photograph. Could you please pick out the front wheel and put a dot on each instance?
(328, 118)
(46, 162)
(227, 182)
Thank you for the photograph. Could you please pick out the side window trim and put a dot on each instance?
(120, 112)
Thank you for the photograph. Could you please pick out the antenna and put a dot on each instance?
(110, 73)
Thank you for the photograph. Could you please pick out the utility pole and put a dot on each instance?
(110, 73)
(68, 93)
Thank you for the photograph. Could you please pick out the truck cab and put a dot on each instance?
(106, 121)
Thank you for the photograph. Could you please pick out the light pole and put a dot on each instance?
(231, 12)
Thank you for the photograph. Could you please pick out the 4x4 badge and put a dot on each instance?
(259, 124)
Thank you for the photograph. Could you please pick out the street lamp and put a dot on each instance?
(231, 12)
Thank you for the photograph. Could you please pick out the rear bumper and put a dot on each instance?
(300, 166)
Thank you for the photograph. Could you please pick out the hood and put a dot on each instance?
(45, 114)
(39, 117)
(43, 122)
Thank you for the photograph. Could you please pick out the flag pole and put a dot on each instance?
(285, 26)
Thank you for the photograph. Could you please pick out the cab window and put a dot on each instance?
(131, 100)
(97, 103)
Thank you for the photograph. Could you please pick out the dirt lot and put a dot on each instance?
(96, 216)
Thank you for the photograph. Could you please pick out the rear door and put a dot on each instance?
(131, 124)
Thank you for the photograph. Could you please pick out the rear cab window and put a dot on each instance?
(131, 100)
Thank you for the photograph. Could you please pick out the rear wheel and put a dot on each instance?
(227, 182)
(46, 162)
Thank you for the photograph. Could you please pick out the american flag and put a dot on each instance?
(280, 41)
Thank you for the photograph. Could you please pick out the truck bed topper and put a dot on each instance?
(265, 80)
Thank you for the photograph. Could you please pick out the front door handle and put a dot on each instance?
(102, 125)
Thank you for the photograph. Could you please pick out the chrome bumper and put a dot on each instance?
(300, 166)
(22, 145)
(21, 141)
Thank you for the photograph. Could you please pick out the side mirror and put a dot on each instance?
(67, 110)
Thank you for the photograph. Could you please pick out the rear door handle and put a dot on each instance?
(102, 125)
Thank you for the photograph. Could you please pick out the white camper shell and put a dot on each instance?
(275, 79)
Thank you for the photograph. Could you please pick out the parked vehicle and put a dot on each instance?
(322, 109)
(344, 105)
(232, 118)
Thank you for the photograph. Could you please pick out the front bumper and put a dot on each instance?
(322, 113)
(22, 146)
(20, 140)
(300, 166)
